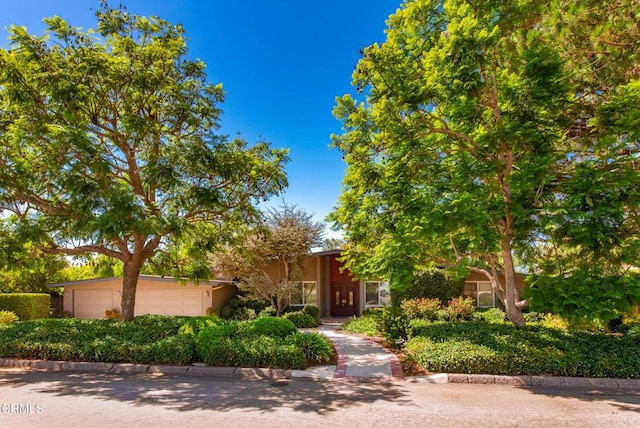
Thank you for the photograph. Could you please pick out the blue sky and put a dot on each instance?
(281, 62)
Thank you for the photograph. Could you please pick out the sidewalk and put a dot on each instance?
(358, 359)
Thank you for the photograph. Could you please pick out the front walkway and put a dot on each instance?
(358, 358)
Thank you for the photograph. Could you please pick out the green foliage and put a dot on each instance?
(312, 310)
(479, 347)
(194, 325)
(242, 309)
(585, 295)
(395, 325)
(27, 306)
(123, 133)
(254, 351)
(208, 338)
(211, 312)
(491, 315)
(428, 284)
(315, 347)
(459, 309)
(369, 325)
(7, 317)
(269, 326)
(148, 339)
(421, 308)
(302, 320)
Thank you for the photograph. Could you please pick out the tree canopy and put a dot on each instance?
(108, 143)
(469, 133)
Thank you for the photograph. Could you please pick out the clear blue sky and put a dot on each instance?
(281, 62)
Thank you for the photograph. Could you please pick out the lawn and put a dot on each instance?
(150, 339)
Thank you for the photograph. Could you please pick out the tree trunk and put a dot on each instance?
(129, 284)
(513, 311)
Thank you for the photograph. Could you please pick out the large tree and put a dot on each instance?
(108, 143)
(451, 155)
(269, 261)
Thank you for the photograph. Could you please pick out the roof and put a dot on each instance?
(327, 253)
(142, 277)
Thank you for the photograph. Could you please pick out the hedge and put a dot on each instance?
(501, 349)
(428, 284)
(27, 306)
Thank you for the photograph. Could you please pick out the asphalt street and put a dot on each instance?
(40, 399)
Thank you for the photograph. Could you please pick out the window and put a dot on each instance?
(377, 293)
(305, 294)
(481, 293)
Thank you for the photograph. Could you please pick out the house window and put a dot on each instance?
(306, 293)
(377, 293)
(481, 293)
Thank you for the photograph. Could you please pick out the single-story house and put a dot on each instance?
(329, 285)
(91, 298)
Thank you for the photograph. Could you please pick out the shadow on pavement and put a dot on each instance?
(623, 399)
(199, 393)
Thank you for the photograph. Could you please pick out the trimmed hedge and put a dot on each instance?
(27, 306)
(501, 349)
(302, 320)
(147, 339)
(255, 351)
(269, 326)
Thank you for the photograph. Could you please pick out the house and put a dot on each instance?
(154, 295)
(329, 285)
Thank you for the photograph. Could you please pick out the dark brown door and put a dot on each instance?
(344, 299)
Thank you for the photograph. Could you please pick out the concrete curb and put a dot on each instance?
(546, 381)
(123, 368)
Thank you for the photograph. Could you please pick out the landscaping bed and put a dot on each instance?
(150, 339)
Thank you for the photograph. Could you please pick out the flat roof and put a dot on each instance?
(141, 277)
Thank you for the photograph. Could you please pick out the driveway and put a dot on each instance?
(36, 399)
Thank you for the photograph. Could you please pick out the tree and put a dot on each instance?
(333, 244)
(269, 261)
(590, 233)
(451, 156)
(108, 144)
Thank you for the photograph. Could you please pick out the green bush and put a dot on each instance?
(315, 347)
(481, 347)
(148, 339)
(365, 324)
(241, 309)
(269, 326)
(421, 308)
(490, 315)
(7, 317)
(269, 311)
(27, 306)
(428, 284)
(395, 325)
(194, 325)
(254, 351)
(209, 338)
(459, 309)
(302, 320)
(313, 311)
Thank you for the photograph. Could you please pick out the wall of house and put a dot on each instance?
(478, 277)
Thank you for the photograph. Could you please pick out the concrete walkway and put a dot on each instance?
(358, 359)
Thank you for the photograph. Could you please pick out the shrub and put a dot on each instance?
(302, 320)
(480, 347)
(269, 311)
(421, 308)
(27, 306)
(112, 314)
(313, 311)
(395, 325)
(269, 326)
(365, 324)
(211, 312)
(490, 315)
(240, 309)
(428, 284)
(314, 347)
(533, 317)
(7, 317)
(195, 325)
(254, 351)
(459, 309)
(210, 337)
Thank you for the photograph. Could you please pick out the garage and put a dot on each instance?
(92, 303)
(169, 301)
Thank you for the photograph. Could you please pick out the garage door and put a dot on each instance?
(92, 303)
(169, 301)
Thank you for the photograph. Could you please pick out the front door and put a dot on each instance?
(344, 299)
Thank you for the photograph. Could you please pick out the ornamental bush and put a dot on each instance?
(428, 284)
(269, 326)
(421, 308)
(27, 306)
(315, 347)
(254, 351)
(302, 319)
(7, 317)
(459, 309)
